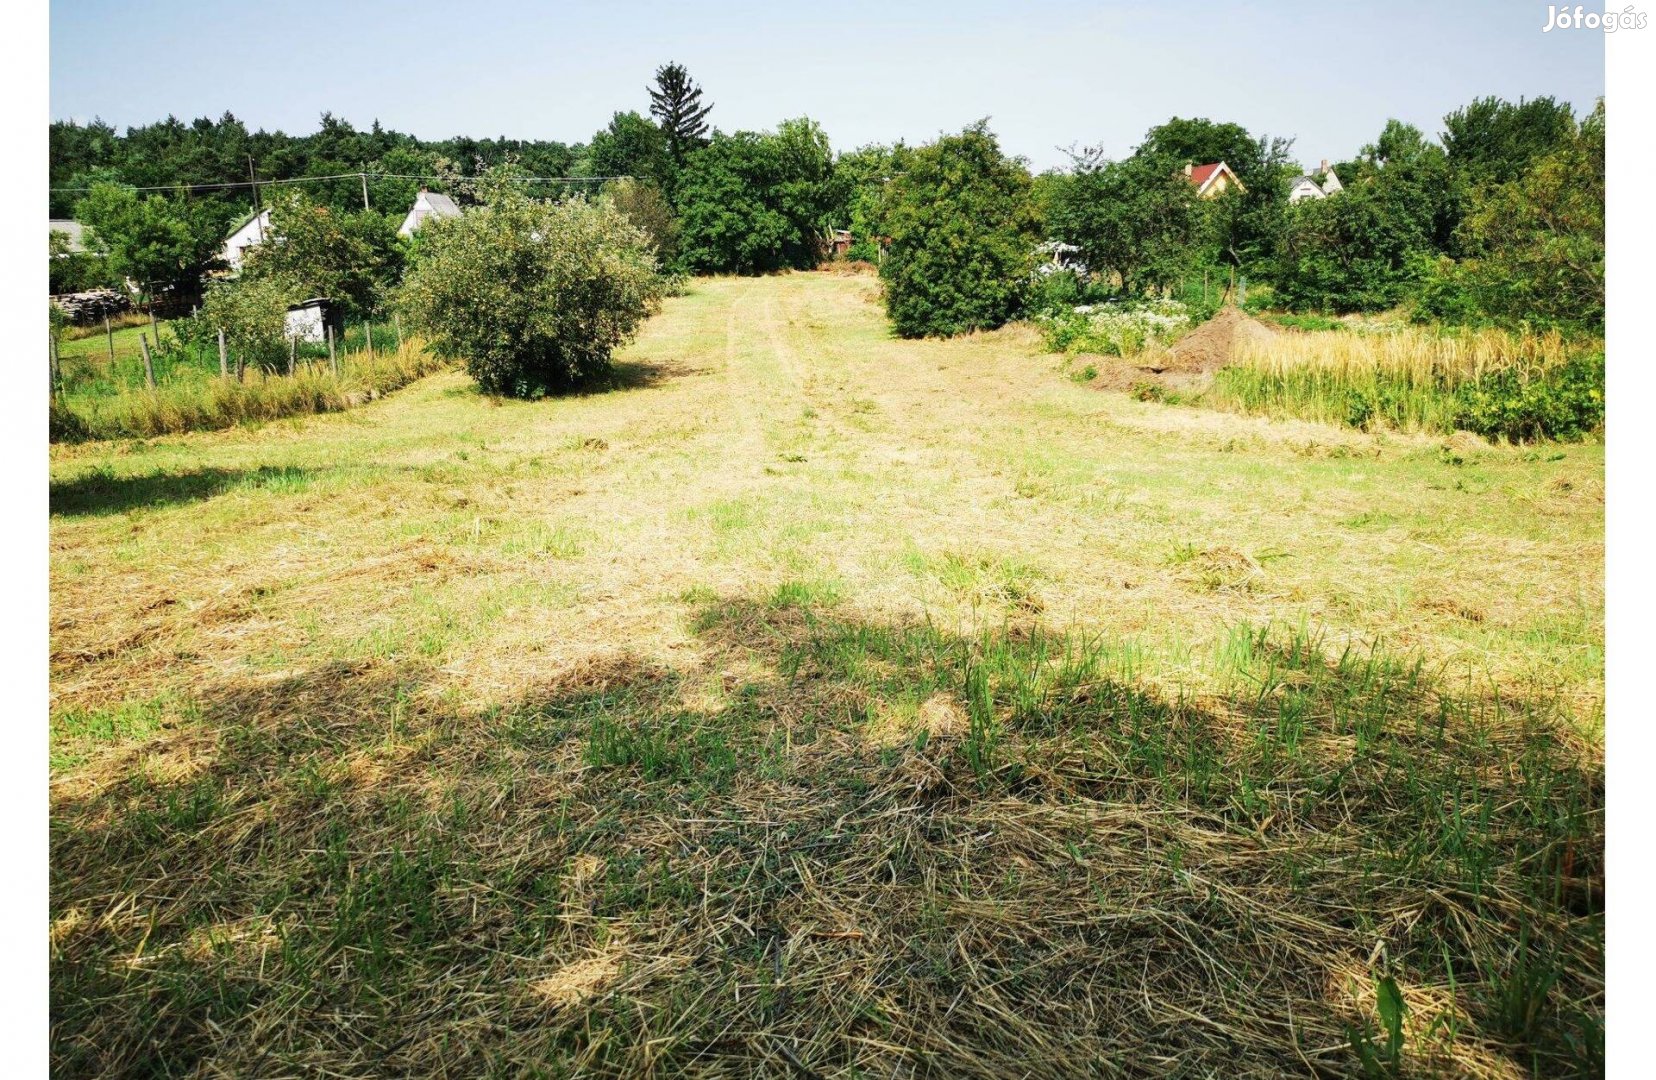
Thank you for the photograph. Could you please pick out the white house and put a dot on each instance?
(249, 234)
(1317, 185)
(427, 204)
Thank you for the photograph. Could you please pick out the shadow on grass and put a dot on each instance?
(888, 850)
(102, 491)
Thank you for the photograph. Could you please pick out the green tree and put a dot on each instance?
(1366, 248)
(1536, 243)
(675, 102)
(158, 242)
(643, 204)
(534, 296)
(754, 202)
(1136, 223)
(963, 234)
(71, 271)
(252, 312)
(316, 250)
(1495, 141)
(630, 146)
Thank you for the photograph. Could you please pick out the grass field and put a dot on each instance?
(824, 704)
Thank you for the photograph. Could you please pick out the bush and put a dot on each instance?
(533, 296)
(1564, 403)
(963, 235)
(252, 311)
(1114, 329)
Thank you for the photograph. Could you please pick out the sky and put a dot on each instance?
(1047, 74)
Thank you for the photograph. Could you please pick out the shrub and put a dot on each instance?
(1114, 329)
(252, 311)
(1564, 403)
(533, 296)
(963, 238)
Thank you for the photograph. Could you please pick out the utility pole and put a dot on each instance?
(364, 177)
(253, 179)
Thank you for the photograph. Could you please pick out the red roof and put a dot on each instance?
(1200, 173)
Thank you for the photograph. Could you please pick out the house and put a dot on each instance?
(244, 237)
(310, 320)
(1317, 185)
(74, 230)
(1055, 255)
(839, 242)
(1213, 180)
(427, 204)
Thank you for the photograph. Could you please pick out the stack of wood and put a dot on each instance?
(90, 306)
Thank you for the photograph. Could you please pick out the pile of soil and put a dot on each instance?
(1209, 347)
(1190, 360)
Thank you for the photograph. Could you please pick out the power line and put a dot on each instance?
(349, 176)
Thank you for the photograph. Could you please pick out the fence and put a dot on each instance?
(152, 353)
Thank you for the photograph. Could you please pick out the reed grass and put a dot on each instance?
(1409, 379)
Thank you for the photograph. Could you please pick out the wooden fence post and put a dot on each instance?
(293, 350)
(149, 366)
(56, 370)
(224, 358)
(396, 320)
(368, 335)
(155, 331)
(109, 335)
(333, 358)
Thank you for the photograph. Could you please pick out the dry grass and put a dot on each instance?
(1420, 356)
(821, 704)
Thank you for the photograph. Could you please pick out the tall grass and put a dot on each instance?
(1418, 379)
(202, 402)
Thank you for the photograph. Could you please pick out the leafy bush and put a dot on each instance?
(1114, 329)
(643, 204)
(963, 235)
(348, 257)
(533, 296)
(251, 310)
(754, 202)
(1564, 403)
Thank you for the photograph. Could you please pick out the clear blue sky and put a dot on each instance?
(1046, 73)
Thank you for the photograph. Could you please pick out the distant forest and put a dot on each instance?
(203, 151)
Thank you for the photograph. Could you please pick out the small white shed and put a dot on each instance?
(309, 320)
(427, 204)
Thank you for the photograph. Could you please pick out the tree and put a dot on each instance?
(316, 250)
(647, 209)
(1536, 242)
(1137, 223)
(675, 102)
(70, 271)
(754, 202)
(252, 312)
(158, 242)
(963, 237)
(533, 296)
(1244, 226)
(1494, 141)
(630, 146)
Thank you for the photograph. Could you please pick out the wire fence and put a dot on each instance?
(156, 354)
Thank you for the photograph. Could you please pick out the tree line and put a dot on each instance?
(1498, 218)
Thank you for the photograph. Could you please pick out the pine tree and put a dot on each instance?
(676, 102)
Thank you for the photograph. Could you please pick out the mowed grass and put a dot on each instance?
(822, 704)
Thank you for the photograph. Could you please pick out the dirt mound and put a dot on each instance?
(1210, 346)
(1187, 364)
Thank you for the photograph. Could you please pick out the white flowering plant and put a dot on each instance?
(1115, 329)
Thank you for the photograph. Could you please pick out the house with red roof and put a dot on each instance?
(1213, 180)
